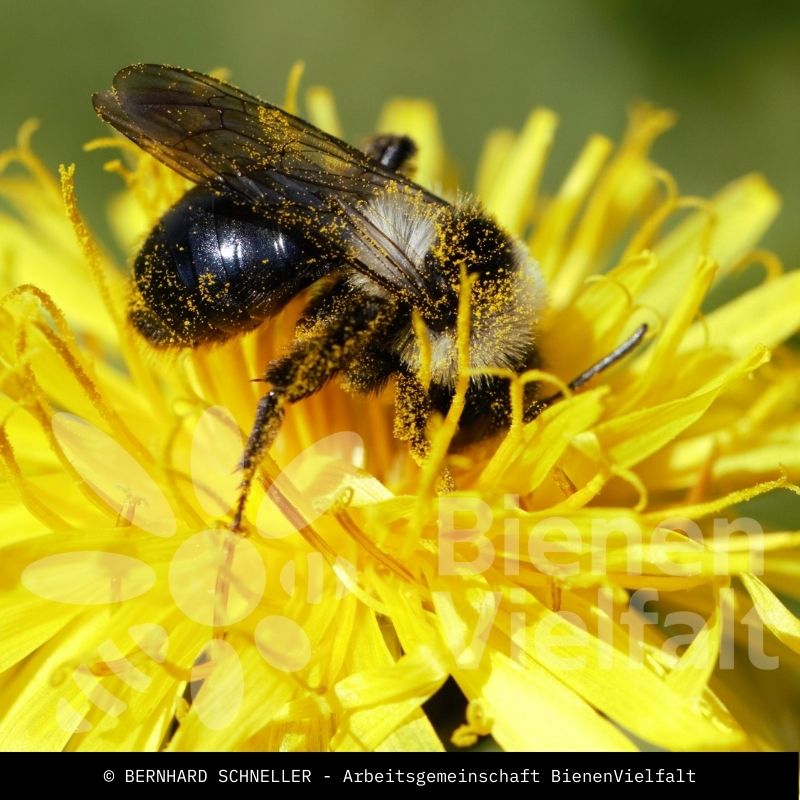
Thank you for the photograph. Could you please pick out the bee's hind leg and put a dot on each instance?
(341, 332)
(269, 415)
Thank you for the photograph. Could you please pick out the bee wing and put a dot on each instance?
(211, 132)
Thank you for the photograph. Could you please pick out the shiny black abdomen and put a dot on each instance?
(212, 268)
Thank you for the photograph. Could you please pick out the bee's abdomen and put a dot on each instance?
(211, 268)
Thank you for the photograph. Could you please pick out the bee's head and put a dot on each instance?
(468, 237)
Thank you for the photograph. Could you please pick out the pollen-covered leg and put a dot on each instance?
(269, 415)
(412, 412)
(333, 342)
(370, 372)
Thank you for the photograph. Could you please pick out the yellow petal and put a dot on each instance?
(415, 736)
(550, 237)
(621, 197)
(632, 437)
(523, 465)
(513, 193)
(766, 315)
(778, 618)
(532, 711)
(735, 220)
(691, 674)
(495, 151)
(322, 110)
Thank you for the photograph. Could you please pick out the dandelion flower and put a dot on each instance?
(582, 583)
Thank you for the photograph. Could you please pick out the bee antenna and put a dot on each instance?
(603, 364)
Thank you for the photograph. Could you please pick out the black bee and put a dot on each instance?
(280, 206)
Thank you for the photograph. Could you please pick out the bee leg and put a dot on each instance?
(391, 151)
(413, 409)
(269, 415)
(309, 365)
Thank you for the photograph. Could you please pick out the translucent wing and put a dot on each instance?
(213, 133)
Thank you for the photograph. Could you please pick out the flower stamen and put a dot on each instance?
(87, 242)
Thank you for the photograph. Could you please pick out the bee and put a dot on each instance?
(280, 206)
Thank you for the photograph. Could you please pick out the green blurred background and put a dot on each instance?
(732, 70)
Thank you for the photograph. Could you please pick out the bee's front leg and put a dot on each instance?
(412, 410)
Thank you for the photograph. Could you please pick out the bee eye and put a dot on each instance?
(470, 237)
